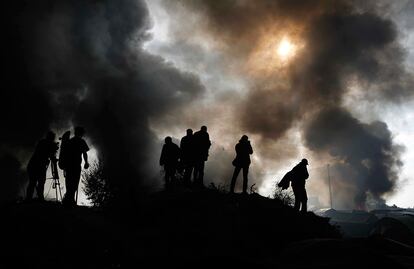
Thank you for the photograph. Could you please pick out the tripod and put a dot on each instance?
(55, 177)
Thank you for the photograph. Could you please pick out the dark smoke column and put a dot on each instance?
(345, 44)
(367, 158)
(81, 63)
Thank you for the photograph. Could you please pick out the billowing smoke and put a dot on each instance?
(367, 159)
(81, 63)
(341, 46)
(77, 62)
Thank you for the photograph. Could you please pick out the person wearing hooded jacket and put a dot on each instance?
(242, 161)
(299, 174)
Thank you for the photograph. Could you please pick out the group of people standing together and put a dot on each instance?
(192, 154)
(70, 160)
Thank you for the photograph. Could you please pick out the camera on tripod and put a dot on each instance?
(55, 172)
(54, 160)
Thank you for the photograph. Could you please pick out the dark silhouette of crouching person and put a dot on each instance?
(76, 149)
(169, 159)
(242, 161)
(44, 153)
(299, 176)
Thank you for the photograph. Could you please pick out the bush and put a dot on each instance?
(285, 196)
(96, 185)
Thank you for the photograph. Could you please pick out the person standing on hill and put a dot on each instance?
(242, 161)
(202, 144)
(44, 153)
(169, 159)
(76, 148)
(299, 174)
(187, 155)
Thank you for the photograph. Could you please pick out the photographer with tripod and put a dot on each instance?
(44, 153)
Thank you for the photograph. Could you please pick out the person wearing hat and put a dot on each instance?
(299, 176)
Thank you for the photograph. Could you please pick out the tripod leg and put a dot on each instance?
(60, 192)
(56, 182)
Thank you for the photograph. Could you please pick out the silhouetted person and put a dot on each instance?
(76, 148)
(201, 146)
(62, 154)
(187, 155)
(44, 153)
(298, 177)
(169, 159)
(242, 161)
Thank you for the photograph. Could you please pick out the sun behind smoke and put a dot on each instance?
(286, 50)
(274, 53)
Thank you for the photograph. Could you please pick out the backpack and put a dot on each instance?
(285, 182)
(63, 154)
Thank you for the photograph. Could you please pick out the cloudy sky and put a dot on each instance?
(327, 80)
(189, 35)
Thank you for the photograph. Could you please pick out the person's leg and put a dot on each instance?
(67, 200)
(31, 186)
(167, 176)
(187, 174)
(304, 200)
(234, 178)
(72, 181)
(196, 172)
(173, 171)
(41, 187)
(245, 179)
(296, 192)
(76, 186)
(192, 173)
(201, 174)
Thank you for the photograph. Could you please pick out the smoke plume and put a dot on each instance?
(81, 63)
(85, 63)
(342, 45)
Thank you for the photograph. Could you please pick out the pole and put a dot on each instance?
(330, 190)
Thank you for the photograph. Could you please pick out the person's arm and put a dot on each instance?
(237, 149)
(250, 148)
(85, 158)
(85, 149)
(209, 141)
(306, 174)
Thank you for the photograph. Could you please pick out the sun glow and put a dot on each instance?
(285, 49)
(275, 54)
